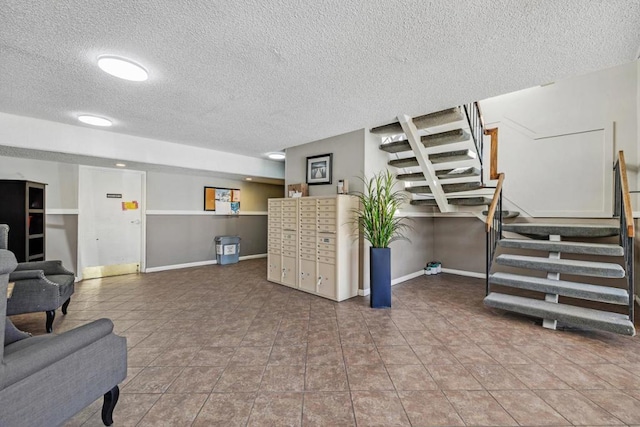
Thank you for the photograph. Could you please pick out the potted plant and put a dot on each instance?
(376, 217)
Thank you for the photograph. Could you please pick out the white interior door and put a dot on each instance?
(110, 221)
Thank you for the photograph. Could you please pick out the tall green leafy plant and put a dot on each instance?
(378, 205)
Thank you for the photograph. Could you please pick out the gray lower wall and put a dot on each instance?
(459, 243)
(407, 257)
(62, 240)
(181, 239)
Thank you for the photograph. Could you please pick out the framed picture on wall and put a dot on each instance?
(319, 169)
(209, 198)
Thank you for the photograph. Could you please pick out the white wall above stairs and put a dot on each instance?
(557, 142)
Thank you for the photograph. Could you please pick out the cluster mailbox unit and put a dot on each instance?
(313, 245)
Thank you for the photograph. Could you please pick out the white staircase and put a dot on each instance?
(439, 158)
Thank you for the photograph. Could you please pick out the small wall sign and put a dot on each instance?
(114, 196)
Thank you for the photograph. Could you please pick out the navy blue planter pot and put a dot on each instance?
(380, 276)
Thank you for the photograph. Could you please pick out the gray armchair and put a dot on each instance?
(39, 286)
(45, 380)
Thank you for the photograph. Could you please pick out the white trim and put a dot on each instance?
(198, 212)
(364, 292)
(464, 273)
(179, 266)
(407, 277)
(256, 256)
(405, 214)
(62, 211)
(197, 264)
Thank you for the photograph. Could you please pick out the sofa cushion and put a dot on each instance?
(13, 334)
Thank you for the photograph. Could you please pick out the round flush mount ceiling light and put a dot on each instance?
(276, 156)
(95, 120)
(122, 68)
(121, 165)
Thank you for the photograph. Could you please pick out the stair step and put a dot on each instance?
(458, 173)
(447, 188)
(470, 201)
(418, 176)
(562, 287)
(563, 266)
(452, 156)
(429, 141)
(424, 202)
(422, 122)
(460, 201)
(567, 247)
(568, 314)
(443, 138)
(442, 174)
(404, 163)
(505, 214)
(566, 230)
(396, 146)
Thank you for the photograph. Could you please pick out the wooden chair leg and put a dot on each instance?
(110, 400)
(51, 314)
(65, 305)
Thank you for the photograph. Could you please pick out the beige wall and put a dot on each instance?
(170, 191)
(348, 162)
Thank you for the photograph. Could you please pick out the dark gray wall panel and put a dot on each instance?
(180, 239)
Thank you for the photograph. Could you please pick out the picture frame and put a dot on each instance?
(320, 169)
(209, 198)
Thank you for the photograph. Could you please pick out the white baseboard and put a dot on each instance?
(197, 264)
(407, 277)
(364, 292)
(246, 257)
(464, 273)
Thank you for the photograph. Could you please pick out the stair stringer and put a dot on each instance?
(411, 132)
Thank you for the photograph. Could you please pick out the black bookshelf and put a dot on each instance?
(22, 205)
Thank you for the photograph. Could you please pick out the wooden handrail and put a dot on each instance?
(493, 165)
(494, 202)
(626, 198)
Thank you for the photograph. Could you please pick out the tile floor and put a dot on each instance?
(221, 346)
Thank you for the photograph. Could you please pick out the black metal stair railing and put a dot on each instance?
(476, 127)
(493, 225)
(622, 210)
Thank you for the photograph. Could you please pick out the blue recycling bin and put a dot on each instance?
(227, 249)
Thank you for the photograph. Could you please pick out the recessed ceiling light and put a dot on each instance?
(122, 68)
(120, 165)
(95, 120)
(249, 179)
(276, 156)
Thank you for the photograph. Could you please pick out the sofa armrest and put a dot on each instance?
(29, 359)
(48, 267)
(26, 275)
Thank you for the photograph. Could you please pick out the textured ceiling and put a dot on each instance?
(254, 76)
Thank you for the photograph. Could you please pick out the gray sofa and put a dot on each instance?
(39, 286)
(45, 380)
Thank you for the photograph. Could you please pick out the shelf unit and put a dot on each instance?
(22, 208)
(311, 246)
